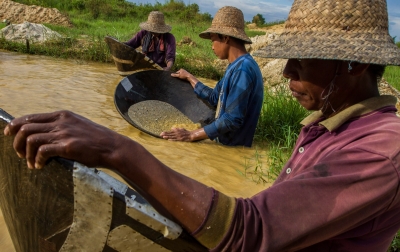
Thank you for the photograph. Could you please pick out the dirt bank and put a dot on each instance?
(17, 13)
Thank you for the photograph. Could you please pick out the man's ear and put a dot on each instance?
(357, 68)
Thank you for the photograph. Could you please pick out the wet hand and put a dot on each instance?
(181, 74)
(177, 134)
(65, 134)
(185, 75)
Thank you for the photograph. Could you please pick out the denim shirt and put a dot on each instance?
(240, 92)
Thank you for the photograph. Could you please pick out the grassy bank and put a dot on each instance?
(277, 130)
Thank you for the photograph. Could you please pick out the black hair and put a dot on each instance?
(239, 41)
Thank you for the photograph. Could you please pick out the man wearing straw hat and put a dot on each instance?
(238, 96)
(339, 191)
(156, 41)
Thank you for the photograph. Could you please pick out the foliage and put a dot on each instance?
(258, 19)
(395, 245)
(117, 9)
(278, 127)
(251, 33)
(280, 115)
(278, 22)
(94, 19)
(392, 76)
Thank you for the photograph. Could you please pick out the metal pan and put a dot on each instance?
(160, 85)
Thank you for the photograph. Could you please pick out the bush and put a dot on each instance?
(78, 4)
(259, 20)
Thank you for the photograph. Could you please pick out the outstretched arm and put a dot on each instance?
(185, 75)
(65, 134)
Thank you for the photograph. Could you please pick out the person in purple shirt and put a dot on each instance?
(340, 189)
(238, 96)
(156, 41)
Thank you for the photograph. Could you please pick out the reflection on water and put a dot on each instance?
(33, 84)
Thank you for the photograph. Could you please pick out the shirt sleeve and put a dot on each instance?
(136, 40)
(236, 104)
(171, 48)
(321, 202)
(206, 93)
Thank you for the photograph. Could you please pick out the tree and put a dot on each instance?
(258, 19)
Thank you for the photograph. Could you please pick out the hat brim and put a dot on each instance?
(155, 28)
(229, 31)
(378, 49)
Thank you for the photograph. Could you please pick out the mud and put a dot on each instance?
(18, 13)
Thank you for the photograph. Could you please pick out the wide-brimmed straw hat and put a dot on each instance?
(155, 23)
(338, 30)
(227, 21)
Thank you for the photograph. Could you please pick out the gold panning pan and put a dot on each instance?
(127, 59)
(167, 96)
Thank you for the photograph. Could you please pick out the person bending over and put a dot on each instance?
(156, 41)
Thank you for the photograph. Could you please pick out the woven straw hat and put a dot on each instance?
(338, 30)
(155, 23)
(228, 21)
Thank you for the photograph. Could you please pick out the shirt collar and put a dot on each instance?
(356, 110)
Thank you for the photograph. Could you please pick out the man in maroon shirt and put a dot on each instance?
(340, 189)
(156, 41)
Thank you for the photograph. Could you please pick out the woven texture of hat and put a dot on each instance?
(228, 21)
(336, 29)
(155, 23)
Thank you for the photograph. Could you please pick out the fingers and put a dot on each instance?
(176, 134)
(181, 73)
(14, 126)
(39, 149)
(34, 137)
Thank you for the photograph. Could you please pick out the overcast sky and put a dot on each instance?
(273, 10)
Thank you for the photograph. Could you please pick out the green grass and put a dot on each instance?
(85, 40)
(277, 130)
(392, 76)
(395, 245)
(254, 33)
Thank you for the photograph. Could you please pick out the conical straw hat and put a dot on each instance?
(228, 21)
(338, 30)
(155, 23)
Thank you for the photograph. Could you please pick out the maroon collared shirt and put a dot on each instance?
(339, 191)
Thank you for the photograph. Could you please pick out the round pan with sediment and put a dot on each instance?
(156, 116)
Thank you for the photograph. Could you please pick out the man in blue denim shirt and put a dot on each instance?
(237, 96)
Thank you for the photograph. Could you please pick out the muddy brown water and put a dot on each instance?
(36, 84)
